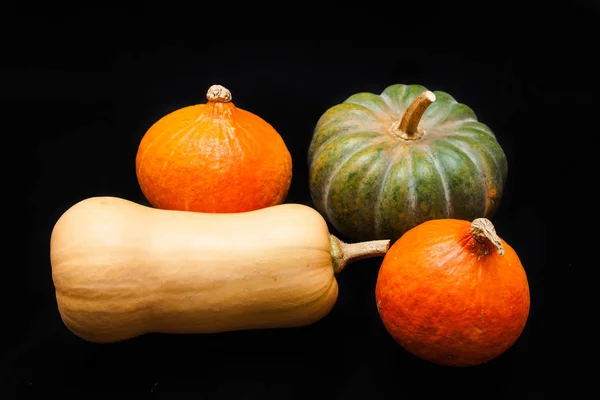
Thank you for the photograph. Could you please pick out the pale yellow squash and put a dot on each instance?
(122, 269)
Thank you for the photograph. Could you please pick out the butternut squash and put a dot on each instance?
(121, 269)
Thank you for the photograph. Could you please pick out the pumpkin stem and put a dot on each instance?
(483, 231)
(343, 254)
(408, 127)
(219, 94)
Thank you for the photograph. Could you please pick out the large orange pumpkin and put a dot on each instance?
(452, 292)
(213, 157)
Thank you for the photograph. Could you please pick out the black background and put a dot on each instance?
(80, 98)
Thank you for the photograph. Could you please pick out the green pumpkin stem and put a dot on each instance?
(343, 254)
(408, 127)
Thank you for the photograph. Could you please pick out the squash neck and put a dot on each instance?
(343, 254)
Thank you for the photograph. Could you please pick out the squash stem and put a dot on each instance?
(343, 254)
(483, 231)
(408, 127)
(218, 94)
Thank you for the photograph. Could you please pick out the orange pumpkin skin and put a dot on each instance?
(449, 298)
(213, 157)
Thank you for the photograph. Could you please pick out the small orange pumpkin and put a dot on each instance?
(213, 157)
(452, 292)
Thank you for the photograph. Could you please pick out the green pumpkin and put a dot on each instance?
(381, 164)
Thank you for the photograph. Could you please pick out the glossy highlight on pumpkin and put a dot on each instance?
(381, 164)
(213, 157)
(453, 292)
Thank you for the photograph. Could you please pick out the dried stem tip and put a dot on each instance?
(407, 128)
(218, 93)
(343, 254)
(483, 231)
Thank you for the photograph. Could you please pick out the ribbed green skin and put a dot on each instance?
(370, 184)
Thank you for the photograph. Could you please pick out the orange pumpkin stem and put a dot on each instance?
(218, 94)
(483, 231)
(408, 127)
(343, 254)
